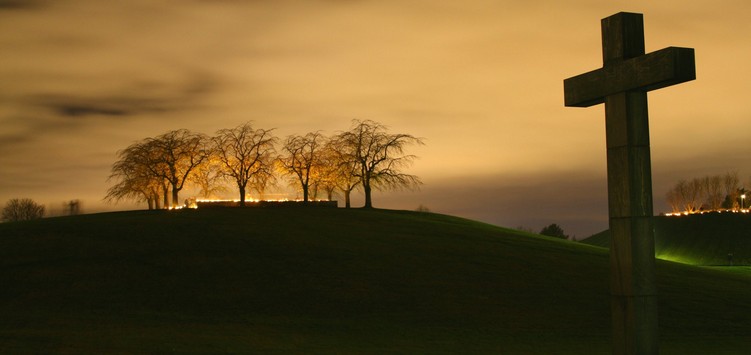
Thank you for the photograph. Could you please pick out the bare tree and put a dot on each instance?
(262, 179)
(690, 194)
(325, 174)
(23, 209)
(209, 177)
(379, 157)
(177, 154)
(673, 198)
(247, 156)
(301, 158)
(72, 207)
(139, 176)
(148, 153)
(341, 168)
(132, 188)
(730, 183)
(713, 191)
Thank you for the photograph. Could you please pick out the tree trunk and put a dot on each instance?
(305, 193)
(368, 200)
(346, 199)
(175, 192)
(242, 195)
(166, 197)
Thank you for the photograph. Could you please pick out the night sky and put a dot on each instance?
(480, 81)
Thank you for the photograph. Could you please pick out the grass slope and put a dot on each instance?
(698, 239)
(331, 280)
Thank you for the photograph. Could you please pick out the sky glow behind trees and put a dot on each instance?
(480, 81)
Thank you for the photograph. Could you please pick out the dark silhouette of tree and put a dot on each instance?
(263, 179)
(340, 169)
(708, 193)
(690, 194)
(673, 198)
(326, 174)
(735, 200)
(23, 209)
(367, 156)
(247, 156)
(177, 154)
(730, 183)
(553, 230)
(209, 177)
(302, 158)
(72, 207)
(378, 157)
(713, 191)
(139, 176)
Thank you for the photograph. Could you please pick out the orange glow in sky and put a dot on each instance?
(480, 81)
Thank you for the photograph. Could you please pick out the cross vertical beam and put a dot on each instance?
(632, 281)
(622, 84)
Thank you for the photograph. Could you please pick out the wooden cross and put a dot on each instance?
(622, 84)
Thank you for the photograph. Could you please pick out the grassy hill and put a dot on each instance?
(331, 281)
(705, 239)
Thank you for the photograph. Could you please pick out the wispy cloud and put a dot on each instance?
(159, 98)
(20, 4)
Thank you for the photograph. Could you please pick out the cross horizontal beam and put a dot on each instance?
(656, 70)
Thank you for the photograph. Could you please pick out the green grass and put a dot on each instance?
(331, 281)
(698, 239)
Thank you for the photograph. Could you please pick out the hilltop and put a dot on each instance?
(331, 280)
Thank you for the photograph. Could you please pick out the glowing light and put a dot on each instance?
(256, 200)
(686, 213)
(674, 258)
(189, 203)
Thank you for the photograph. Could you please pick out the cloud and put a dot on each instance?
(19, 4)
(85, 109)
(41, 112)
(60, 144)
(112, 106)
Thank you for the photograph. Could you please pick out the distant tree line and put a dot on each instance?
(551, 230)
(365, 157)
(708, 193)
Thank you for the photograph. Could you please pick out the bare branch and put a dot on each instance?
(246, 155)
(377, 158)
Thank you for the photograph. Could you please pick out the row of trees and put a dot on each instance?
(367, 157)
(708, 193)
